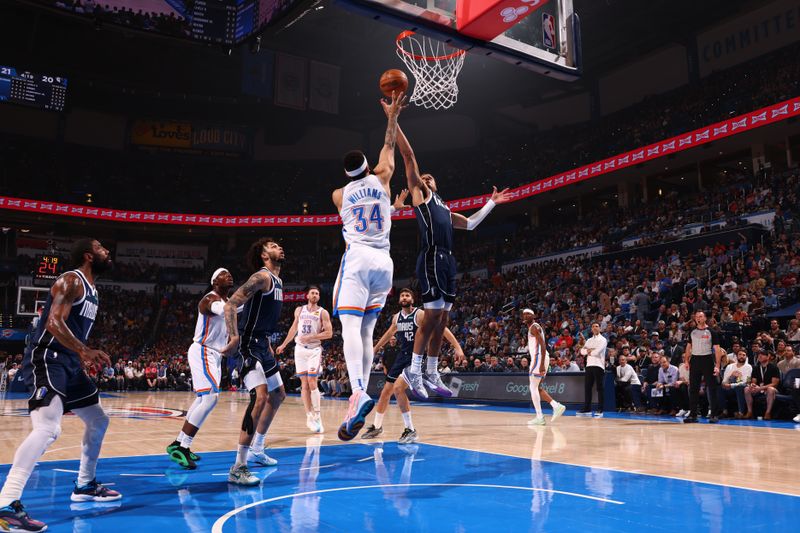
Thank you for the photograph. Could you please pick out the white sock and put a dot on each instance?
(416, 363)
(367, 331)
(407, 421)
(432, 364)
(554, 404)
(537, 400)
(180, 437)
(378, 420)
(258, 442)
(96, 421)
(241, 455)
(315, 402)
(187, 441)
(353, 351)
(46, 423)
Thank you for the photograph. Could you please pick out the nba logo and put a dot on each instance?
(548, 30)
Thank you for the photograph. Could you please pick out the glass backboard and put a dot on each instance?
(546, 40)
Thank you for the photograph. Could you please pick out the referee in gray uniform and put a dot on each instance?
(702, 355)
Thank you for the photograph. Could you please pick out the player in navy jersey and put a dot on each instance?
(404, 328)
(53, 368)
(262, 297)
(436, 266)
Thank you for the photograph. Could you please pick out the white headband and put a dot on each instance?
(528, 310)
(216, 273)
(359, 170)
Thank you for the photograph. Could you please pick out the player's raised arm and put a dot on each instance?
(385, 167)
(66, 291)
(413, 176)
(469, 224)
(260, 281)
(291, 333)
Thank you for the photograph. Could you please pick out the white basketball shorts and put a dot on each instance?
(364, 281)
(206, 366)
(307, 360)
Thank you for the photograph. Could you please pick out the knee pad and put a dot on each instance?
(248, 425)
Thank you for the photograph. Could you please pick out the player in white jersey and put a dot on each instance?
(311, 326)
(365, 274)
(540, 362)
(205, 360)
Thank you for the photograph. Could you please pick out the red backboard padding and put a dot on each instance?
(486, 19)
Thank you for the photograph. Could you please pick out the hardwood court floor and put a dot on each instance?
(759, 456)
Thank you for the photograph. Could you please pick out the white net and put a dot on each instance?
(435, 67)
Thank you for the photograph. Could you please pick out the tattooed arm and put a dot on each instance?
(66, 291)
(260, 281)
(385, 167)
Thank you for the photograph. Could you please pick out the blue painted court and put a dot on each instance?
(390, 487)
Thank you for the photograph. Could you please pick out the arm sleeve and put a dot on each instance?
(477, 217)
(218, 307)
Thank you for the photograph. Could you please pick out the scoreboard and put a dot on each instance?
(47, 268)
(44, 91)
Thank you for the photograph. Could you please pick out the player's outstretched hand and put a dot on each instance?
(96, 357)
(500, 197)
(393, 106)
(400, 200)
(279, 350)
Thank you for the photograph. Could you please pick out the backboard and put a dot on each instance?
(546, 40)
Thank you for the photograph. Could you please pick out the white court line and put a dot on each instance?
(144, 475)
(370, 458)
(69, 471)
(636, 472)
(319, 467)
(217, 527)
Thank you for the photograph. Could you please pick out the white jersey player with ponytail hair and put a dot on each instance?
(540, 362)
(311, 326)
(365, 273)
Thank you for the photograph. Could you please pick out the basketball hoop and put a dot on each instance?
(435, 68)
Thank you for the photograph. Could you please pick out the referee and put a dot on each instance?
(702, 356)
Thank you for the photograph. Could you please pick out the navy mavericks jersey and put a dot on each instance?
(80, 320)
(406, 331)
(435, 224)
(260, 315)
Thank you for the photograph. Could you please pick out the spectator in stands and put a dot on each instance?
(161, 376)
(130, 377)
(650, 380)
(667, 378)
(764, 383)
(628, 387)
(789, 360)
(151, 375)
(736, 377)
(681, 390)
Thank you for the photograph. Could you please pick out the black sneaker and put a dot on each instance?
(175, 444)
(181, 456)
(690, 420)
(193, 456)
(14, 518)
(713, 420)
(372, 432)
(94, 491)
(409, 436)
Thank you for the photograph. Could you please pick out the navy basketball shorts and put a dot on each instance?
(400, 362)
(258, 350)
(436, 272)
(49, 373)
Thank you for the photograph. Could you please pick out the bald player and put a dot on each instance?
(540, 362)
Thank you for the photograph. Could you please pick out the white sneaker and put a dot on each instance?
(318, 424)
(261, 458)
(558, 410)
(414, 382)
(681, 414)
(797, 419)
(310, 424)
(537, 421)
(241, 475)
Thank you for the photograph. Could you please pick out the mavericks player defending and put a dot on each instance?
(436, 267)
(53, 370)
(365, 273)
(262, 296)
(209, 344)
(540, 362)
(311, 326)
(405, 325)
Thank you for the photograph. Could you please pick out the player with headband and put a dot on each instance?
(540, 362)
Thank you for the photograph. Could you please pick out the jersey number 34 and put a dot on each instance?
(363, 224)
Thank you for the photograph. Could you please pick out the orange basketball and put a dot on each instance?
(393, 80)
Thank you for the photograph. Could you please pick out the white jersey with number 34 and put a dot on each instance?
(366, 213)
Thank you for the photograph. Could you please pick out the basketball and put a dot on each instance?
(393, 80)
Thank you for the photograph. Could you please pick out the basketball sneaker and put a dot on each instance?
(558, 410)
(409, 436)
(14, 518)
(360, 406)
(318, 420)
(94, 491)
(433, 381)
(372, 432)
(314, 423)
(182, 456)
(796, 419)
(414, 381)
(598, 414)
(193, 456)
(583, 413)
(172, 446)
(537, 421)
(260, 458)
(241, 475)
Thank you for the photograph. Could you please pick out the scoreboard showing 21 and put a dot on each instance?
(36, 90)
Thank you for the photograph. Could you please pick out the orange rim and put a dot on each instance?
(409, 33)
